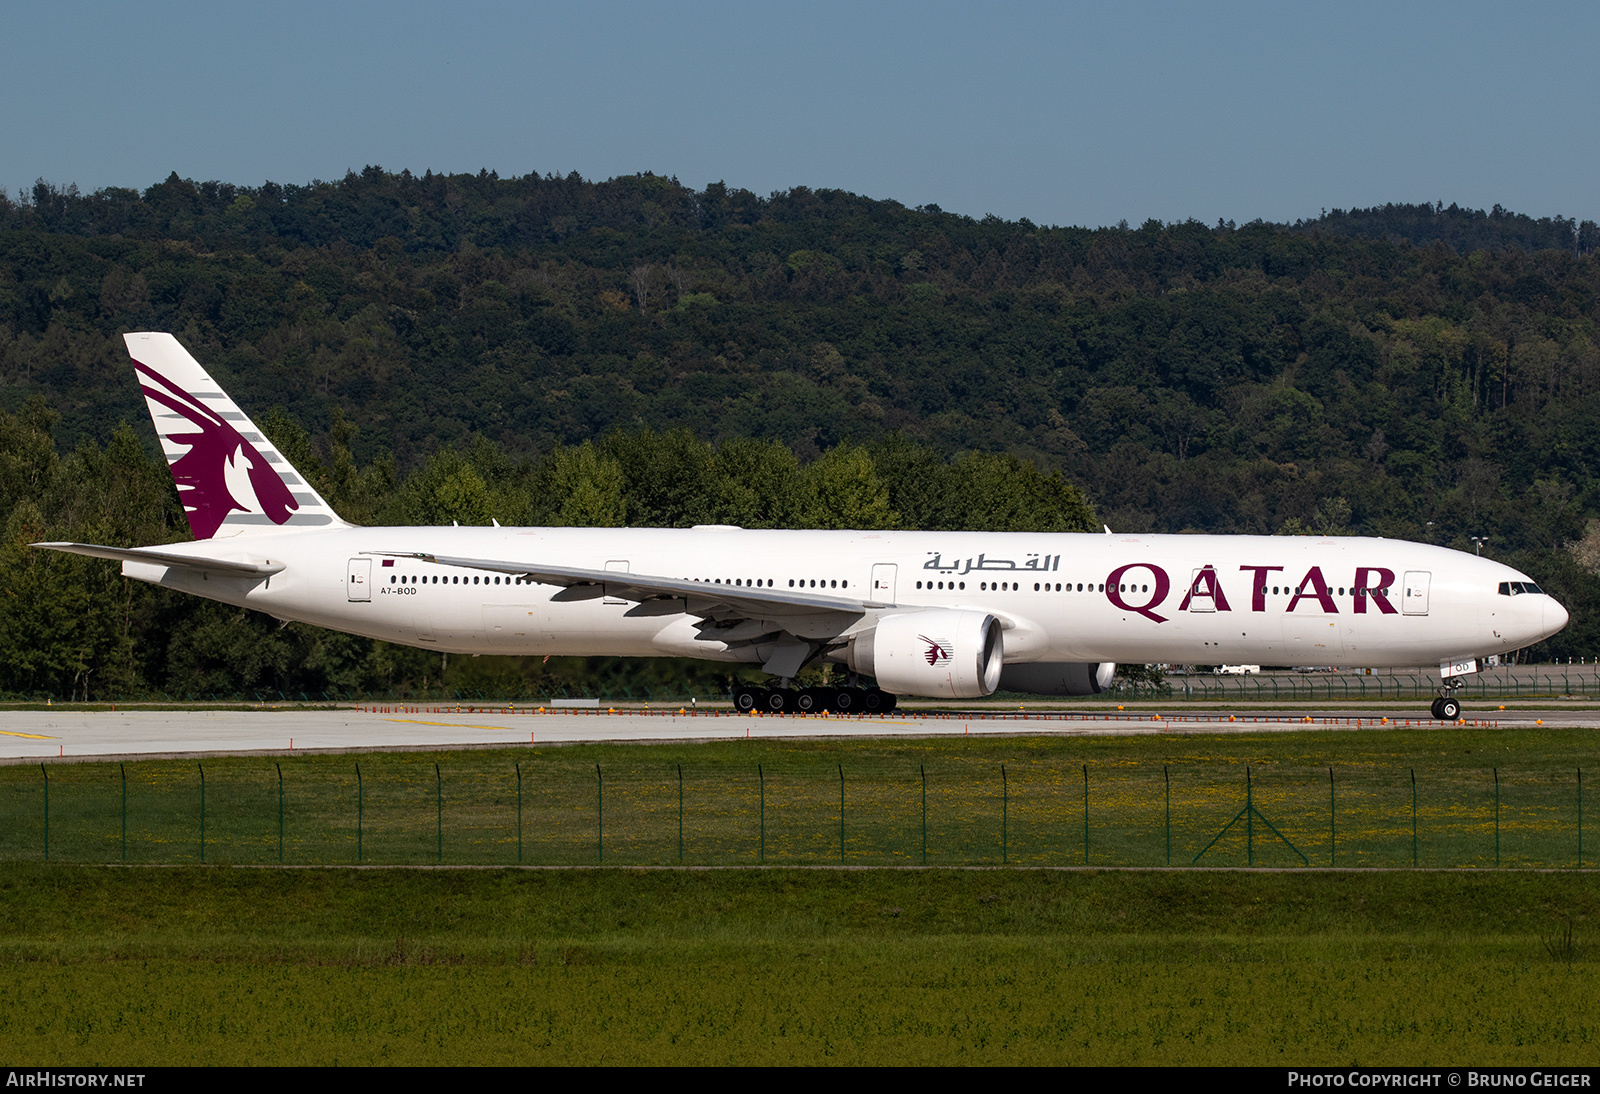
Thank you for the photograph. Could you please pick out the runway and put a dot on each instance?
(66, 735)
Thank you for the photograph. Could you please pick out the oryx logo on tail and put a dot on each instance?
(222, 472)
(229, 476)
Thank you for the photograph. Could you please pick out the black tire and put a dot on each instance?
(874, 703)
(890, 702)
(778, 701)
(747, 699)
(850, 700)
(1449, 709)
(809, 701)
(1434, 710)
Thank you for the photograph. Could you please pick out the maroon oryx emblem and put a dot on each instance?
(935, 652)
(221, 469)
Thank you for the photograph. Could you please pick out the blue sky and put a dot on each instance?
(1062, 113)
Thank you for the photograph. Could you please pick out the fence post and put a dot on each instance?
(1005, 814)
(280, 813)
(1167, 777)
(46, 774)
(1333, 823)
(924, 771)
(518, 766)
(841, 814)
(124, 768)
(359, 806)
(761, 782)
(202, 813)
(1249, 820)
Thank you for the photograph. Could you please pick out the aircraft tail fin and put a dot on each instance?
(230, 478)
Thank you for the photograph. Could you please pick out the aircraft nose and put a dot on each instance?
(1555, 616)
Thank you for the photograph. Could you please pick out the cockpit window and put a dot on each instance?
(1517, 588)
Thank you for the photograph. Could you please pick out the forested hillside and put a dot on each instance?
(635, 351)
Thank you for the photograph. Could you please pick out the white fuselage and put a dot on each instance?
(1060, 597)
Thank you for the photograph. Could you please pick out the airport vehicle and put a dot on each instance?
(953, 615)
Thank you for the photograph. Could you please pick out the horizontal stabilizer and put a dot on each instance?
(241, 568)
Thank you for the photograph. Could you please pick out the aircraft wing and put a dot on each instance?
(232, 567)
(701, 597)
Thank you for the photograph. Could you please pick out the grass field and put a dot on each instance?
(170, 965)
(238, 963)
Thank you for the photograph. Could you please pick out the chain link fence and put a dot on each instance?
(484, 809)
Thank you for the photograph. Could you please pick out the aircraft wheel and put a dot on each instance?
(850, 700)
(747, 699)
(1449, 710)
(878, 701)
(810, 700)
(778, 701)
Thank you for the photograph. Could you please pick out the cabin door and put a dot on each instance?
(618, 566)
(1414, 597)
(358, 579)
(883, 578)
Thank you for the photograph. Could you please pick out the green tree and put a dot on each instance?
(841, 489)
(581, 488)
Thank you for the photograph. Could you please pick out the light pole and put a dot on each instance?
(1477, 544)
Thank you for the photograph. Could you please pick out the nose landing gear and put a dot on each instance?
(1446, 708)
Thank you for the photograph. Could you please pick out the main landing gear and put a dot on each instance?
(748, 700)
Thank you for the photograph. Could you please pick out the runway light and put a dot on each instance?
(1231, 718)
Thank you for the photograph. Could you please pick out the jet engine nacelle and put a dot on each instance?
(1067, 678)
(943, 653)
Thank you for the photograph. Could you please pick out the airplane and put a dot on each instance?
(943, 615)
